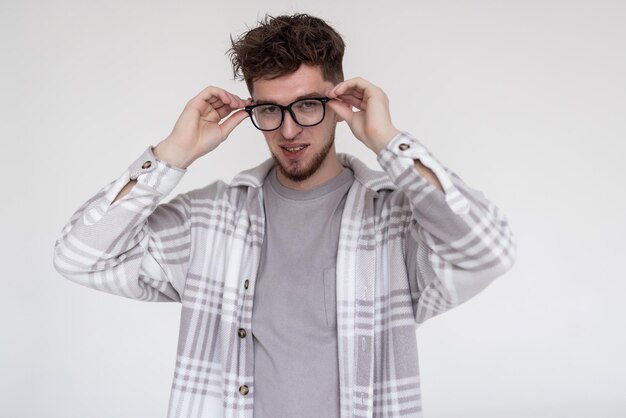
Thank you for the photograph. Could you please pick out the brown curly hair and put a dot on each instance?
(279, 45)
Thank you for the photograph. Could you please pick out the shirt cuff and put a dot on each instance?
(154, 173)
(401, 153)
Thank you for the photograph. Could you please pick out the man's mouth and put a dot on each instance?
(294, 151)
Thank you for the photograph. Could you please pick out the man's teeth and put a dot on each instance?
(295, 149)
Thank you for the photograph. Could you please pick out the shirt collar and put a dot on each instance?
(370, 179)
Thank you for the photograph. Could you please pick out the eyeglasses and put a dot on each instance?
(305, 112)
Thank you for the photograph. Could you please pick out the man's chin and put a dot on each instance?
(295, 171)
(302, 169)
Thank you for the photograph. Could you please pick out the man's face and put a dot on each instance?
(295, 164)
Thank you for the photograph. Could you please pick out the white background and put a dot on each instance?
(525, 100)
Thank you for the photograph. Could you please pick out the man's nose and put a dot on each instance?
(289, 129)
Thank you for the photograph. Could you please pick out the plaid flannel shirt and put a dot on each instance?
(407, 252)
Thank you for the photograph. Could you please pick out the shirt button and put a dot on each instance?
(243, 389)
(242, 333)
(147, 164)
(404, 147)
(246, 284)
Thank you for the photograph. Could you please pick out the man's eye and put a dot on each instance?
(308, 105)
(269, 110)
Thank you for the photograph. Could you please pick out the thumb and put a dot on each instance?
(233, 120)
(342, 109)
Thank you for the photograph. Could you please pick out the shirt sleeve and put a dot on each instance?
(136, 247)
(457, 242)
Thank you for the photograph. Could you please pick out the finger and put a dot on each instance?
(224, 109)
(238, 102)
(233, 120)
(212, 92)
(356, 94)
(206, 106)
(214, 104)
(216, 97)
(344, 110)
(227, 109)
(355, 85)
(233, 103)
(351, 100)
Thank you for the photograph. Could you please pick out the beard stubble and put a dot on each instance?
(297, 174)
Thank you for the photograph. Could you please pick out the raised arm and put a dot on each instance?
(201, 127)
(124, 240)
(457, 241)
(133, 247)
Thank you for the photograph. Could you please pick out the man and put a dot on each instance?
(302, 281)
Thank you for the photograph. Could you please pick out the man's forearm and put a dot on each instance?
(163, 153)
(125, 190)
(428, 174)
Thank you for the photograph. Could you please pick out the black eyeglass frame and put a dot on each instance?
(287, 108)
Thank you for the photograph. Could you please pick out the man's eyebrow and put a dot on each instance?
(304, 96)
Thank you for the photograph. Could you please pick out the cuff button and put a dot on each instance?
(404, 147)
(147, 164)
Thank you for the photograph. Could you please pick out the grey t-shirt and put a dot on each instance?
(294, 318)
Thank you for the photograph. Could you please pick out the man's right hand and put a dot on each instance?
(198, 130)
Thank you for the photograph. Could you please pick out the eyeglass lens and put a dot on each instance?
(306, 112)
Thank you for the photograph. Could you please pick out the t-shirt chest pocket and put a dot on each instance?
(330, 297)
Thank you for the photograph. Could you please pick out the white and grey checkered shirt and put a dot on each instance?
(407, 252)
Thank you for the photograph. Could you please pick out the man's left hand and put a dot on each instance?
(371, 121)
